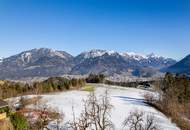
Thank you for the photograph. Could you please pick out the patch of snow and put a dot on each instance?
(152, 55)
(111, 52)
(1, 59)
(93, 53)
(139, 57)
(26, 57)
(97, 53)
(134, 55)
(32, 67)
(56, 53)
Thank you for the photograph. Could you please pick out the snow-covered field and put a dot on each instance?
(124, 101)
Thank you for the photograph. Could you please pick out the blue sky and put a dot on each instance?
(142, 26)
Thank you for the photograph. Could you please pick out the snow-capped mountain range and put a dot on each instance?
(147, 60)
(49, 62)
(97, 53)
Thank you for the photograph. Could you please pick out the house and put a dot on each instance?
(3, 109)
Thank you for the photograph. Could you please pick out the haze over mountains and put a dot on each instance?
(46, 62)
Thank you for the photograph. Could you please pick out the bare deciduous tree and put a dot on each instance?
(150, 123)
(138, 121)
(45, 115)
(96, 114)
(134, 120)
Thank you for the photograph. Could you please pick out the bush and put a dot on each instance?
(19, 121)
(5, 109)
(93, 78)
(174, 99)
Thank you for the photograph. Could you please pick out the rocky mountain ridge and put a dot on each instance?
(44, 62)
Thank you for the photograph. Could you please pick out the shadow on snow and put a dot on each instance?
(131, 100)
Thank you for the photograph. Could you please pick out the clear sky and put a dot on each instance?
(142, 26)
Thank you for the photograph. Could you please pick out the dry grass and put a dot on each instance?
(6, 124)
(88, 88)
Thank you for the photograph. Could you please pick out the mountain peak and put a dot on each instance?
(96, 53)
(45, 52)
(134, 55)
(153, 55)
(37, 55)
(93, 53)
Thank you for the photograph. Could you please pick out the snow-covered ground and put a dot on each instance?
(124, 101)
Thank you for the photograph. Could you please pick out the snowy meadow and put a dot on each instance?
(124, 101)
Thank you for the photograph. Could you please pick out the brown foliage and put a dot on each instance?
(174, 99)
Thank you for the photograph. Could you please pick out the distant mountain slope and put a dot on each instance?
(150, 60)
(182, 67)
(110, 62)
(46, 62)
(36, 62)
(99, 62)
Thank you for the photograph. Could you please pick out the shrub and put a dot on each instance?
(93, 78)
(19, 121)
(174, 99)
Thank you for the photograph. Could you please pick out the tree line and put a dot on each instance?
(101, 78)
(174, 99)
(54, 84)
